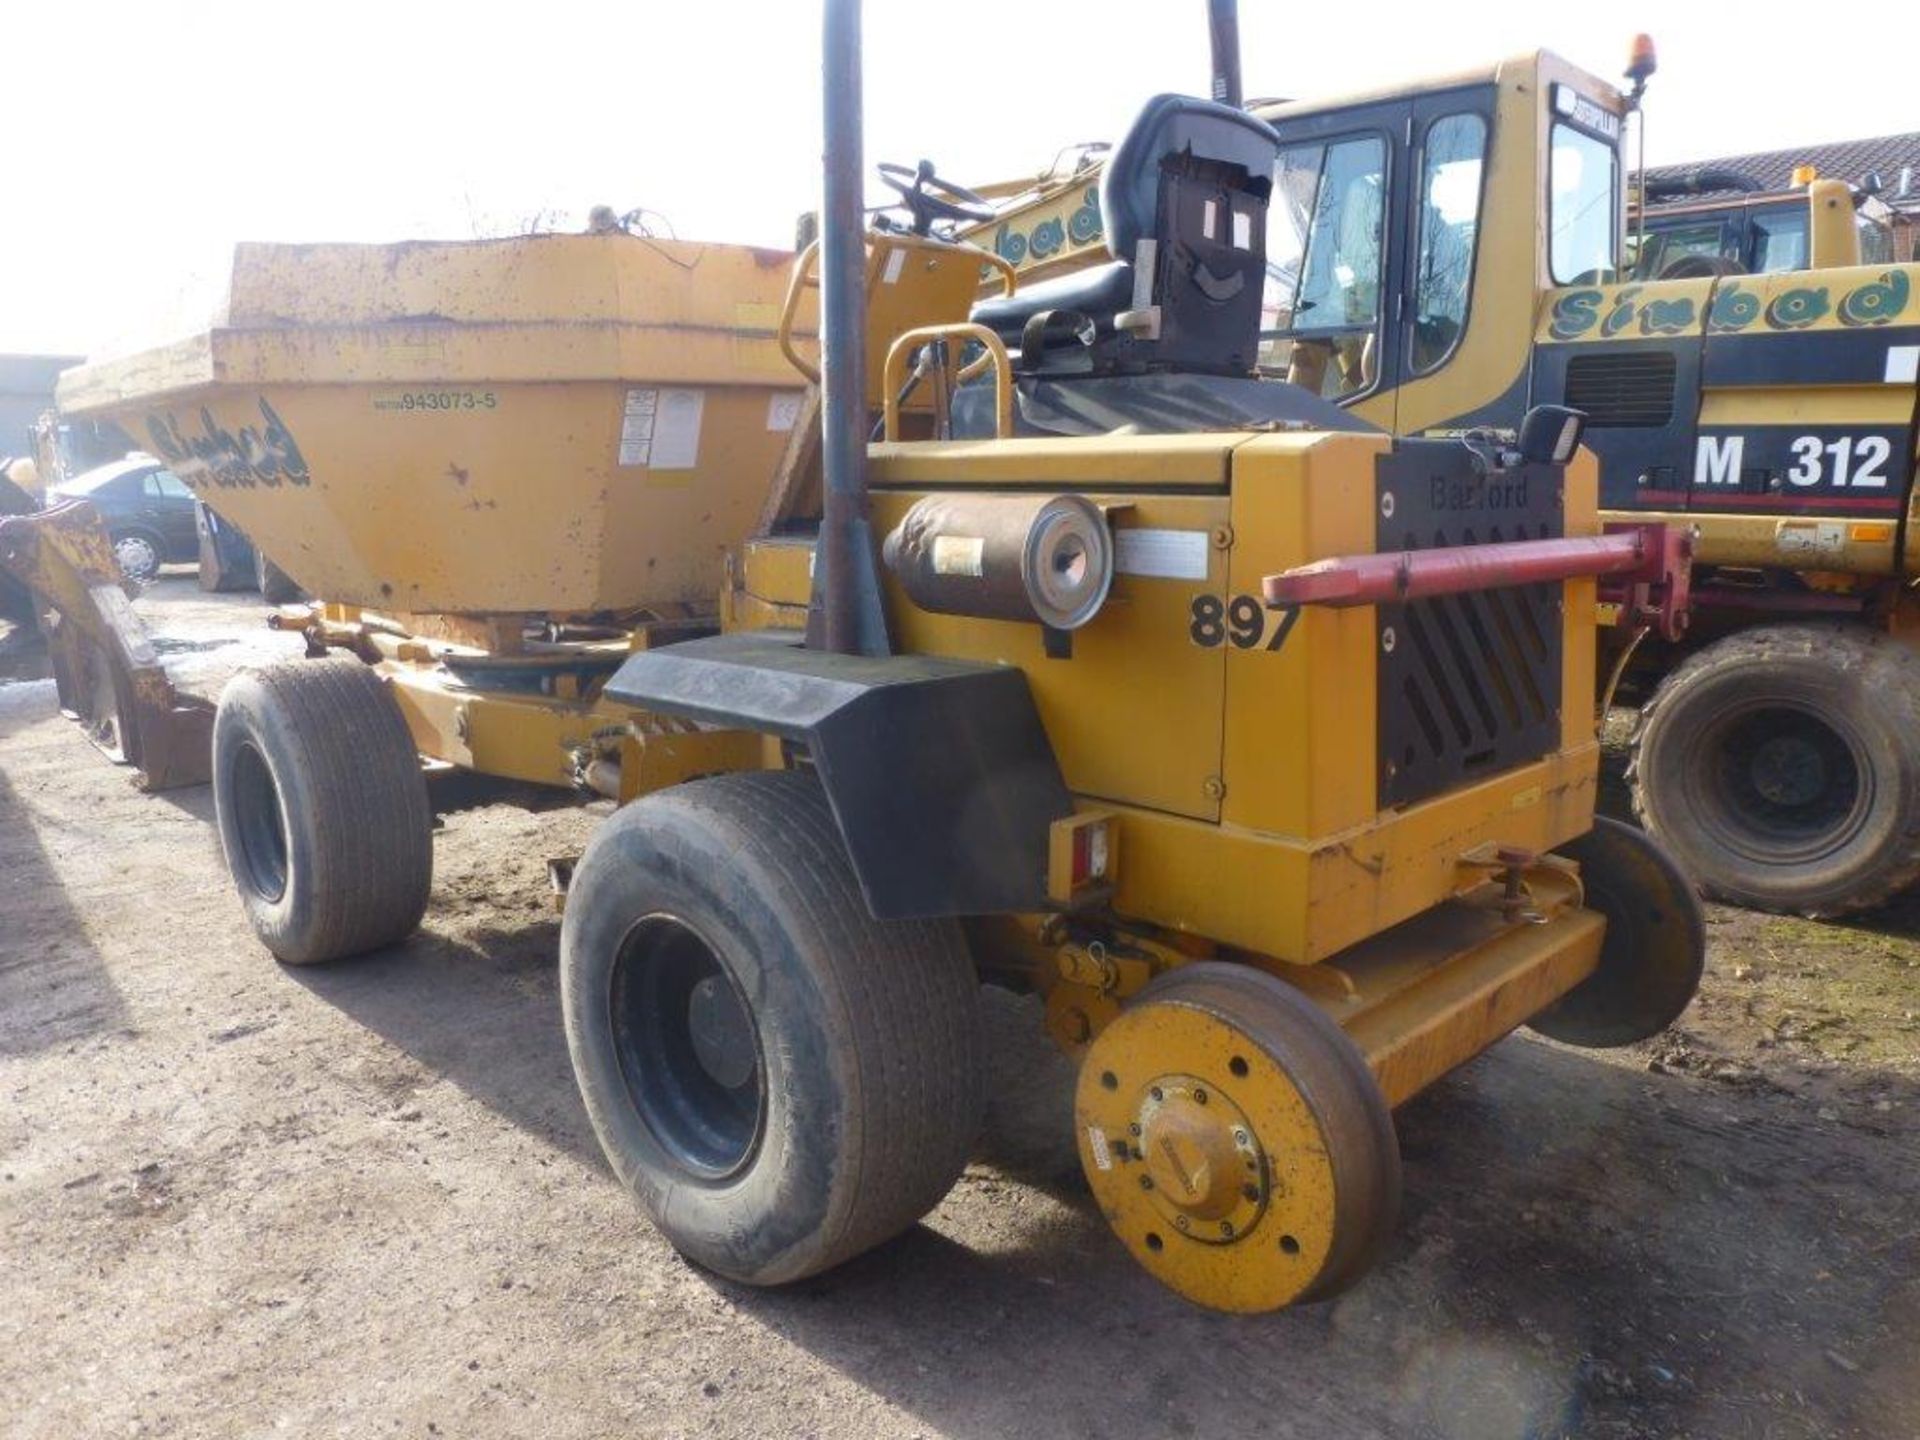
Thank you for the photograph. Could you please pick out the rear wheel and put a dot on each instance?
(1237, 1141)
(323, 809)
(782, 1080)
(1655, 949)
(1781, 768)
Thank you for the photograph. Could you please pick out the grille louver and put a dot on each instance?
(1622, 388)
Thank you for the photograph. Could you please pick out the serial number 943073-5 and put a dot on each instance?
(437, 400)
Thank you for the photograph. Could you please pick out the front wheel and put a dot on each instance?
(780, 1079)
(1236, 1140)
(1781, 768)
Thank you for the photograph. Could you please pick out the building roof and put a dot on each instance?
(1895, 157)
(33, 375)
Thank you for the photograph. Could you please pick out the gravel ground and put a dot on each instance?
(241, 1200)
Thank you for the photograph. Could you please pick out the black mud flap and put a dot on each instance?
(939, 771)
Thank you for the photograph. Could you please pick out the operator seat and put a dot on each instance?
(1184, 203)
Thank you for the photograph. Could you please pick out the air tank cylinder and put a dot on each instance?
(1047, 559)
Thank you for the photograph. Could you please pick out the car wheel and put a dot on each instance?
(137, 555)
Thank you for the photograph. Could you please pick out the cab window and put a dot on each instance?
(1450, 171)
(1583, 181)
(1876, 242)
(1779, 240)
(1324, 258)
(1667, 245)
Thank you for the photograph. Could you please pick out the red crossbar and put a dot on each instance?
(1451, 569)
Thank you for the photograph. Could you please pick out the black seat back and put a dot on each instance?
(1184, 198)
(1184, 203)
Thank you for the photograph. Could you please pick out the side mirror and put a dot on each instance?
(1549, 434)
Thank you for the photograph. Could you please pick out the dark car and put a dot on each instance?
(147, 509)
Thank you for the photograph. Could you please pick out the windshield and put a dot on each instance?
(1583, 184)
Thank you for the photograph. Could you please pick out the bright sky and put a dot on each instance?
(143, 139)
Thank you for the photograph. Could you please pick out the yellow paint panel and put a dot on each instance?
(1160, 461)
(517, 505)
(1302, 901)
(1300, 742)
(1808, 405)
(1135, 714)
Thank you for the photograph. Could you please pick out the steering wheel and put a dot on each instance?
(929, 198)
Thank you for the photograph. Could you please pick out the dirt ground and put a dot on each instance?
(241, 1200)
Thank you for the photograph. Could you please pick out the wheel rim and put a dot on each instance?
(1223, 1169)
(688, 1046)
(135, 556)
(1780, 783)
(260, 824)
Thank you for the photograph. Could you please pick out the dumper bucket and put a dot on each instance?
(566, 424)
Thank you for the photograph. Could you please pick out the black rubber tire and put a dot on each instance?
(276, 588)
(865, 1032)
(316, 753)
(1338, 1086)
(1840, 702)
(1656, 945)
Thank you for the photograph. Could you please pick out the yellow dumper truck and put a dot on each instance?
(1256, 741)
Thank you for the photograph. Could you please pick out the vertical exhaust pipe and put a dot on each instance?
(1223, 28)
(846, 580)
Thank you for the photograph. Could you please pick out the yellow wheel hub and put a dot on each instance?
(1206, 1172)
(1212, 1149)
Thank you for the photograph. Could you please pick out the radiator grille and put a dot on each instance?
(1621, 388)
(1470, 685)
